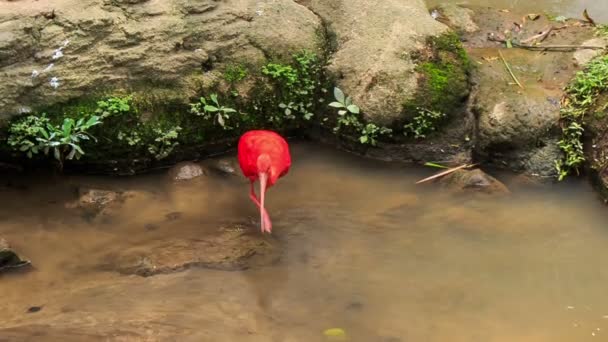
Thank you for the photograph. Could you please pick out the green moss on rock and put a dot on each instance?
(444, 78)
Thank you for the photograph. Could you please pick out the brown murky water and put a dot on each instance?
(598, 9)
(365, 250)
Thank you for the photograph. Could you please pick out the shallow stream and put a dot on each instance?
(598, 9)
(364, 250)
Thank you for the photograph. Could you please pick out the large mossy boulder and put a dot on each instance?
(407, 72)
(388, 55)
(57, 51)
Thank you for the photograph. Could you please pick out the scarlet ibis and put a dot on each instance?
(264, 157)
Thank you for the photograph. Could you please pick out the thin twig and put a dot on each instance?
(509, 70)
(541, 36)
(548, 47)
(446, 172)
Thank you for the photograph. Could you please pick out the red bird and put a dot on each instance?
(263, 156)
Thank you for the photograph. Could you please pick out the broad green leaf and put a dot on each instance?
(287, 111)
(339, 95)
(214, 98)
(336, 105)
(282, 105)
(71, 154)
(353, 109)
(220, 120)
(348, 101)
(342, 112)
(363, 139)
(78, 149)
(212, 109)
(228, 110)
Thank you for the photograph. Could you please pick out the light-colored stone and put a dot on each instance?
(584, 56)
(376, 44)
(457, 17)
(174, 44)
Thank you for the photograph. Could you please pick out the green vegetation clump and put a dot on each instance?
(34, 134)
(154, 125)
(235, 73)
(296, 86)
(348, 117)
(424, 123)
(580, 99)
(443, 85)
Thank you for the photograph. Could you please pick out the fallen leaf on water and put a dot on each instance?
(336, 334)
(533, 16)
(588, 18)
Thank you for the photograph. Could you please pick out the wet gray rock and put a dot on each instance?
(9, 260)
(473, 181)
(584, 56)
(229, 251)
(457, 18)
(186, 171)
(225, 166)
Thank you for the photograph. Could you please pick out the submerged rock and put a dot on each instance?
(473, 180)
(229, 251)
(225, 165)
(93, 202)
(9, 259)
(186, 171)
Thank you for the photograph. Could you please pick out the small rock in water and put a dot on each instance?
(473, 180)
(151, 226)
(186, 171)
(9, 259)
(354, 305)
(173, 216)
(33, 309)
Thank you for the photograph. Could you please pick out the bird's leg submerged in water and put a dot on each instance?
(264, 218)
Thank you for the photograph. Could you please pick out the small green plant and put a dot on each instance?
(344, 104)
(424, 123)
(348, 116)
(35, 134)
(132, 138)
(24, 134)
(235, 73)
(282, 73)
(165, 142)
(296, 85)
(113, 106)
(371, 132)
(580, 98)
(601, 30)
(210, 109)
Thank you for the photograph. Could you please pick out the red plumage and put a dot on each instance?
(264, 157)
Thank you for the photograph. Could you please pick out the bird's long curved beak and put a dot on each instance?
(264, 219)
